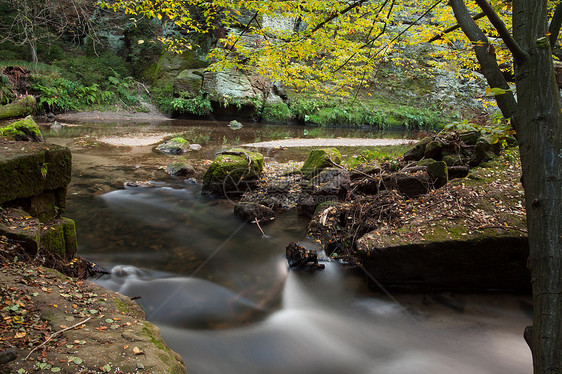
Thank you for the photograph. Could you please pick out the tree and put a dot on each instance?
(29, 22)
(336, 45)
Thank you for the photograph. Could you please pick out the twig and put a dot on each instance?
(55, 334)
(259, 227)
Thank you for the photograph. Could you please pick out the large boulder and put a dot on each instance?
(320, 159)
(232, 173)
(409, 185)
(23, 130)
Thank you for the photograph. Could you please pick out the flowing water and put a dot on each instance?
(223, 296)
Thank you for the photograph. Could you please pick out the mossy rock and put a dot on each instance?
(175, 146)
(180, 169)
(417, 152)
(433, 149)
(23, 130)
(28, 169)
(189, 82)
(232, 173)
(19, 108)
(320, 159)
(438, 173)
(426, 162)
(59, 237)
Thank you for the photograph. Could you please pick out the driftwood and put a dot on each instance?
(302, 258)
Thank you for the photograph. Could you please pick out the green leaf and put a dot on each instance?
(78, 361)
(55, 369)
(106, 368)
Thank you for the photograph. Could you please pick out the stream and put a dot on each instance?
(222, 293)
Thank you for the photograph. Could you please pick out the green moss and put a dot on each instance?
(319, 159)
(179, 140)
(22, 129)
(230, 172)
(19, 108)
(59, 237)
(158, 343)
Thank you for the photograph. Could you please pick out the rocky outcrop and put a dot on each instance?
(232, 173)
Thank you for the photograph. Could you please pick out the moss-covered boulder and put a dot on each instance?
(320, 159)
(232, 173)
(59, 237)
(23, 130)
(175, 146)
(433, 149)
(19, 108)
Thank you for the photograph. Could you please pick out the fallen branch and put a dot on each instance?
(55, 334)
(259, 227)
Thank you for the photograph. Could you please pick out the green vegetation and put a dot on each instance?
(386, 153)
(199, 105)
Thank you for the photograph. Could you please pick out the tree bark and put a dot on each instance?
(537, 122)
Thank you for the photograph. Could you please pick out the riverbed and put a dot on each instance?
(221, 292)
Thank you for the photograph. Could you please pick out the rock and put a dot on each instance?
(180, 169)
(488, 263)
(433, 149)
(189, 82)
(254, 211)
(195, 147)
(59, 237)
(175, 146)
(18, 225)
(331, 182)
(235, 125)
(23, 130)
(319, 159)
(469, 137)
(142, 184)
(455, 160)
(8, 355)
(232, 173)
(30, 169)
(299, 257)
(425, 162)
(19, 108)
(417, 152)
(483, 152)
(457, 171)
(438, 173)
(408, 185)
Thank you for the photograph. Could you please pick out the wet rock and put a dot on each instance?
(23, 130)
(135, 184)
(438, 173)
(232, 173)
(254, 211)
(417, 152)
(175, 146)
(195, 147)
(235, 125)
(180, 169)
(299, 257)
(320, 159)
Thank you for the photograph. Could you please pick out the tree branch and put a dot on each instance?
(453, 28)
(518, 53)
(486, 57)
(555, 24)
(336, 14)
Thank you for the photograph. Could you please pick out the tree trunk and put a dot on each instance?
(537, 122)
